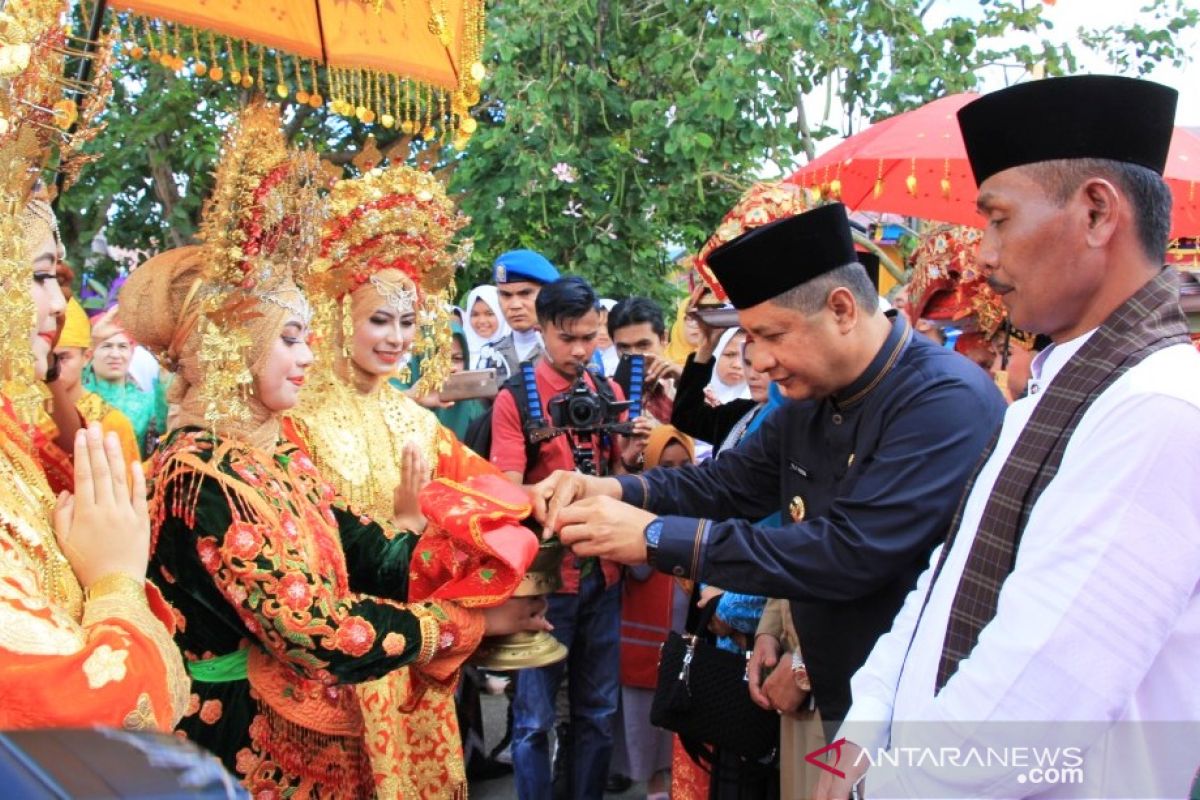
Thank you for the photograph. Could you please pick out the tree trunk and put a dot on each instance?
(165, 189)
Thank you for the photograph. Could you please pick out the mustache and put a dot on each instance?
(998, 286)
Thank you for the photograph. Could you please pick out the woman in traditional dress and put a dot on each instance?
(386, 259)
(83, 639)
(284, 597)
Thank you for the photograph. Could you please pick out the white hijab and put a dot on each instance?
(476, 343)
(726, 391)
(609, 356)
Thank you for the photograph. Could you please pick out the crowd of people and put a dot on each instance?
(287, 542)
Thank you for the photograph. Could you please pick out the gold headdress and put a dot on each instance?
(202, 309)
(393, 229)
(760, 204)
(37, 118)
(948, 283)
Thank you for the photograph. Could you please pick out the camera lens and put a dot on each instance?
(584, 412)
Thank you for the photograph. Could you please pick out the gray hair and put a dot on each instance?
(811, 296)
(1148, 194)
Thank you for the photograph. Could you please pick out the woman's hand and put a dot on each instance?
(104, 529)
(516, 615)
(406, 505)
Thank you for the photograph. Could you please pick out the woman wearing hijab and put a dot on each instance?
(724, 380)
(484, 326)
(685, 334)
(606, 356)
(652, 605)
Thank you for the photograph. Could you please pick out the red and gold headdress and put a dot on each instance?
(42, 113)
(947, 283)
(394, 220)
(260, 230)
(760, 204)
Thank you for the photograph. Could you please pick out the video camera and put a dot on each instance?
(582, 410)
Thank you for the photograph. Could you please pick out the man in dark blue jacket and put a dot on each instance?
(868, 459)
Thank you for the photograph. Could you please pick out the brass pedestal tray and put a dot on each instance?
(528, 648)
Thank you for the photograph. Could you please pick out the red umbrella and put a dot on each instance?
(915, 164)
(1183, 173)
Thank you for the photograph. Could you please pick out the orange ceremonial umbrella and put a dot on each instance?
(915, 164)
(411, 64)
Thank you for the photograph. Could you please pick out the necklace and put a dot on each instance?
(357, 441)
(26, 507)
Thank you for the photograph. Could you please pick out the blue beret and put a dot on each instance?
(523, 265)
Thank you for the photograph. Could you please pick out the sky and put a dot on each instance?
(1067, 16)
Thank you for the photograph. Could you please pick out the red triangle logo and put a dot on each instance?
(815, 759)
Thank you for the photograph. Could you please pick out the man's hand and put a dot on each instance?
(634, 445)
(561, 489)
(516, 615)
(605, 527)
(660, 368)
(846, 759)
(763, 658)
(780, 687)
(406, 507)
(709, 594)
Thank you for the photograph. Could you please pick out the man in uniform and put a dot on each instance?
(519, 276)
(1069, 587)
(867, 460)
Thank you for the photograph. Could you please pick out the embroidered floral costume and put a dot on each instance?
(284, 598)
(66, 659)
(388, 244)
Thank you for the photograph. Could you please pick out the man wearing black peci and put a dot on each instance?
(866, 461)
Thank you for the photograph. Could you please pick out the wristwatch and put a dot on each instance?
(653, 533)
(800, 672)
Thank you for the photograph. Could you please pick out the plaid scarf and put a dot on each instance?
(1148, 321)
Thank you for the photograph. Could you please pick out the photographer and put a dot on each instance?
(637, 327)
(585, 613)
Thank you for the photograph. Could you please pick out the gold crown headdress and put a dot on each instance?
(760, 204)
(41, 111)
(260, 230)
(395, 218)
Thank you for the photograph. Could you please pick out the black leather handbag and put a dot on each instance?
(702, 695)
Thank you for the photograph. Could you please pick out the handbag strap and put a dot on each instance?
(698, 618)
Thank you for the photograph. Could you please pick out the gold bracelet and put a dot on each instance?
(116, 584)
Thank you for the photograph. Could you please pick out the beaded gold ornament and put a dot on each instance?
(394, 218)
(43, 115)
(414, 104)
(260, 230)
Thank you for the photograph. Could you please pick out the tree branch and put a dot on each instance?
(290, 130)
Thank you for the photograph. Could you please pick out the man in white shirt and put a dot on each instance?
(1052, 647)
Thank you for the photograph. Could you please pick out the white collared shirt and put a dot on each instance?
(1099, 620)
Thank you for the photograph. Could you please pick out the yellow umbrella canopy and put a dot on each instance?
(411, 64)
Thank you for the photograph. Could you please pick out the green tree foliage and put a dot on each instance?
(612, 132)
(613, 128)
